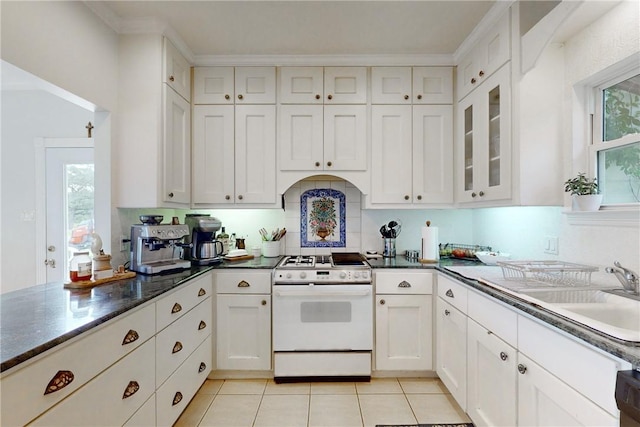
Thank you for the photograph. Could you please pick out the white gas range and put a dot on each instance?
(322, 318)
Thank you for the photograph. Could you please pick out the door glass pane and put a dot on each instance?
(79, 191)
(621, 109)
(494, 137)
(619, 174)
(468, 148)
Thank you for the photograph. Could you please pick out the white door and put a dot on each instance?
(68, 204)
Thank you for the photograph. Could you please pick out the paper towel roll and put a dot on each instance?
(430, 249)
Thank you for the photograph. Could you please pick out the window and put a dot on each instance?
(616, 139)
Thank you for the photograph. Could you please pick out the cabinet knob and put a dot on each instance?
(202, 292)
(447, 312)
(481, 193)
(227, 197)
(170, 195)
(406, 97)
(202, 325)
(177, 398)
(503, 355)
(419, 197)
(263, 302)
(473, 81)
(227, 97)
(131, 389)
(317, 164)
(329, 164)
(240, 197)
(202, 367)
(176, 347)
(176, 308)
(240, 96)
(330, 97)
(172, 79)
(449, 293)
(59, 381)
(473, 194)
(317, 96)
(130, 337)
(481, 73)
(406, 197)
(382, 302)
(521, 368)
(419, 96)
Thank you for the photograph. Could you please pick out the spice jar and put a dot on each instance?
(80, 267)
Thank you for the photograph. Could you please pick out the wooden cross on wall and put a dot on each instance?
(89, 127)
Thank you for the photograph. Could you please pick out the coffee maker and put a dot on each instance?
(155, 248)
(203, 248)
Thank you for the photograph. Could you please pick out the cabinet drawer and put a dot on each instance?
(174, 395)
(175, 343)
(494, 316)
(404, 282)
(243, 282)
(146, 416)
(23, 392)
(453, 292)
(581, 367)
(175, 305)
(102, 401)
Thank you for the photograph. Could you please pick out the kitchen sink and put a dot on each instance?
(611, 312)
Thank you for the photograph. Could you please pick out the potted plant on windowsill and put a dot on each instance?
(584, 193)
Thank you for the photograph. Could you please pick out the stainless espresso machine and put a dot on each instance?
(202, 247)
(156, 248)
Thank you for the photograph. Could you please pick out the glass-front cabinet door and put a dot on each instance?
(484, 141)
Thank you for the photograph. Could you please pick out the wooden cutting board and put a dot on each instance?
(238, 258)
(84, 284)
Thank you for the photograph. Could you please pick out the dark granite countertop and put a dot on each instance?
(36, 319)
(403, 262)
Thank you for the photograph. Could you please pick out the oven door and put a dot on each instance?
(322, 317)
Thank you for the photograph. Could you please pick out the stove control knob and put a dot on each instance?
(365, 275)
(356, 274)
(288, 275)
(343, 274)
(303, 275)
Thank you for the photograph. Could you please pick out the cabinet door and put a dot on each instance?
(432, 154)
(391, 85)
(404, 332)
(176, 148)
(451, 350)
(255, 154)
(391, 154)
(213, 159)
(301, 85)
(244, 332)
(177, 71)
(433, 85)
(544, 400)
(484, 160)
(255, 85)
(301, 137)
(345, 85)
(491, 381)
(345, 137)
(213, 85)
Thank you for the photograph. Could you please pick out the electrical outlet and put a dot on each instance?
(124, 243)
(551, 245)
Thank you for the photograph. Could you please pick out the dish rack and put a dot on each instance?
(554, 272)
(446, 250)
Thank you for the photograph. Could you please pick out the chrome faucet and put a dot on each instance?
(629, 279)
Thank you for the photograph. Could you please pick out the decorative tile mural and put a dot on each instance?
(323, 218)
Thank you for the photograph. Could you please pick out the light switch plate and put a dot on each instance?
(551, 245)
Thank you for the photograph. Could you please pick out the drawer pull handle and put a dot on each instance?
(131, 389)
(202, 367)
(176, 308)
(449, 293)
(503, 355)
(202, 292)
(243, 284)
(404, 284)
(176, 347)
(130, 337)
(202, 325)
(59, 381)
(522, 369)
(177, 398)
(447, 312)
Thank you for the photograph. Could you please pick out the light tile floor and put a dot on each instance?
(262, 403)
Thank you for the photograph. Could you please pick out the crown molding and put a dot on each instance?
(323, 60)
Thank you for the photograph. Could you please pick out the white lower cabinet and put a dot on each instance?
(491, 380)
(451, 350)
(243, 320)
(145, 416)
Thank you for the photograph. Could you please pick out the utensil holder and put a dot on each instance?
(389, 247)
(271, 248)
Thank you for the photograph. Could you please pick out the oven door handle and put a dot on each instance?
(314, 292)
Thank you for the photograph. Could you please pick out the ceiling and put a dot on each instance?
(239, 27)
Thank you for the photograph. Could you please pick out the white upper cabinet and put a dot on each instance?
(255, 85)
(345, 85)
(487, 56)
(407, 85)
(323, 85)
(176, 70)
(391, 85)
(301, 141)
(432, 85)
(213, 85)
(176, 183)
(345, 137)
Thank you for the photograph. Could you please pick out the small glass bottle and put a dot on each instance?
(232, 241)
(224, 238)
(80, 267)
